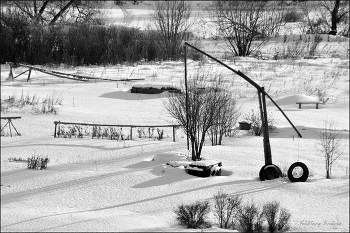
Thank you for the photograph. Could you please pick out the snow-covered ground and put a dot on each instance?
(110, 185)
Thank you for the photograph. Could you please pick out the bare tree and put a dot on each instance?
(243, 22)
(325, 16)
(204, 107)
(227, 116)
(172, 20)
(50, 12)
(337, 10)
(328, 145)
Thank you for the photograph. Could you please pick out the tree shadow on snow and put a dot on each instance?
(166, 173)
(306, 133)
(259, 187)
(131, 96)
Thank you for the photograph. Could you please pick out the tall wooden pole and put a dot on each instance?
(185, 61)
(267, 147)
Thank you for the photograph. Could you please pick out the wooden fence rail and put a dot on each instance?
(58, 123)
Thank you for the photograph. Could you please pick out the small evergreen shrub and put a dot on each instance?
(193, 215)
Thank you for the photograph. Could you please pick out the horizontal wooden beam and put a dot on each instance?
(75, 76)
(6, 118)
(132, 126)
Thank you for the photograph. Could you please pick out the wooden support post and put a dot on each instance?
(30, 71)
(15, 129)
(9, 120)
(130, 133)
(4, 126)
(173, 133)
(58, 134)
(10, 74)
(54, 135)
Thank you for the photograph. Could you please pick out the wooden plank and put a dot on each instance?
(308, 102)
(14, 117)
(75, 76)
(133, 126)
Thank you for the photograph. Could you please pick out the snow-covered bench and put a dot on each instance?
(308, 102)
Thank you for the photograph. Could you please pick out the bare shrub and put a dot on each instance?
(227, 117)
(172, 20)
(227, 209)
(312, 49)
(242, 23)
(256, 125)
(204, 104)
(329, 145)
(292, 16)
(249, 218)
(160, 133)
(193, 215)
(277, 219)
(37, 162)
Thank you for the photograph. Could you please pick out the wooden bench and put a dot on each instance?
(9, 122)
(309, 102)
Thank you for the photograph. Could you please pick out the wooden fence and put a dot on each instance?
(59, 123)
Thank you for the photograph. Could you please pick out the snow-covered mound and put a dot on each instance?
(293, 99)
(157, 85)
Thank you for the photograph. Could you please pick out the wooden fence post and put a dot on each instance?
(173, 133)
(11, 74)
(130, 133)
(30, 71)
(58, 128)
(55, 122)
(9, 120)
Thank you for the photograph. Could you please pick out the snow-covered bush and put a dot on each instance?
(193, 215)
(277, 218)
(227, 209)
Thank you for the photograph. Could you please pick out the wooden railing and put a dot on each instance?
(59, 123)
